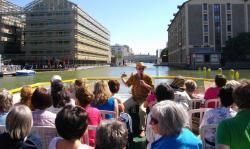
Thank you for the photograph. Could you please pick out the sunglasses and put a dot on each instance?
(140, 68)
(153, 121)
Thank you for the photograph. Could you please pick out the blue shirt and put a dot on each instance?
(185, 140)
(109, 105)
(3, 118)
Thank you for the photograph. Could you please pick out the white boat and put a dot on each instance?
(25, 72)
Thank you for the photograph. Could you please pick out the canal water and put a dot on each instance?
(10, 82)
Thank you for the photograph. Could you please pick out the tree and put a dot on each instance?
(238, 48)
(164, 55)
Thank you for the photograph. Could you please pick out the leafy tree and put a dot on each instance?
(164, 55)
(238, 48)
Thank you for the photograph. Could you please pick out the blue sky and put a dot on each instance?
(141, 24)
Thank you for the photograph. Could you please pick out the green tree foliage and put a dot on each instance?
(164, 55)
(238, 48)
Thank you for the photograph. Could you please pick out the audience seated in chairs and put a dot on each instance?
(26, 94)
(18, 126)
(168, 120)
(104, 99)
(213, 92)
(71, 123)
(111, 134)
(190, 87)
(234, 132)
(214, 116)
(85, 97)
(162, 92)
(6, 102)
(41, 100)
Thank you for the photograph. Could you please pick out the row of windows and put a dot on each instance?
(49, 14)
(60, 33)
(216, 6)
(49, 42)
(49, 23)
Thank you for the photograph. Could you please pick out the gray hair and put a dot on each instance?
(19, 122)
(171, 116)
(6, 100)
(111, 134)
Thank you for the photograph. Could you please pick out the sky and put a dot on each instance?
(140, 24)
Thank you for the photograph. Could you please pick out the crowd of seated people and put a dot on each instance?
(167, 124)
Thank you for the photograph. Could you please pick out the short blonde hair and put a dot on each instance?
(19, 122)
(190, 85)
(6, 100)
(26, 94)
(101, 92)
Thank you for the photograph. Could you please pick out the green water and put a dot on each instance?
(10, 82)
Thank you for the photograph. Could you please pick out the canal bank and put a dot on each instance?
(10, 82)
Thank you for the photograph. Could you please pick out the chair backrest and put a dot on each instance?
(203, 132)
(2, 129)
(104, 112)
(196, 103)
(46, 133)
(86, 134)
(199, 112)
(215, 102)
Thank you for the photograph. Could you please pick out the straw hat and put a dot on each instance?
(140, 65)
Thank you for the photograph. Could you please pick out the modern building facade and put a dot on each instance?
(58, 31)
(11, 27)
(201, 28)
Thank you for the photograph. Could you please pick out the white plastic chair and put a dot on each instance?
(203, 132)
(46, 133)
(104, 112)
(2, 129)
(216, 102)
(200, 111)
(195, 102)
(86, 134)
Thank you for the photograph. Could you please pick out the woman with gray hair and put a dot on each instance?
(18, 125)
(168, 120)
(111, 134)
(6, 103)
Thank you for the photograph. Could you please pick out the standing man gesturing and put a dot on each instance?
(141, 86)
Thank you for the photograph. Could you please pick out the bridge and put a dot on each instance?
(141, 58)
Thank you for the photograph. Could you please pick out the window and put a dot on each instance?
(205, 28)
(207, 58)
(228, 6)
(205, 17)
(205, 6)
(216, 7)
(229, 17)
(229, 37)
(229, 28)
(205, 39)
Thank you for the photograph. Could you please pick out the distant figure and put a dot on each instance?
(104, 99)
(41, 100)
(6, 102)
(141, 86)
(18, 125)
(213, 92)
(111, 134)
(71, 123)
(26, 93)
(233, 133)
(168, 120)
(85, 97)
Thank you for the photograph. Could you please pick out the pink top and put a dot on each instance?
(211, 93)
(151, 99)
(94, 118)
